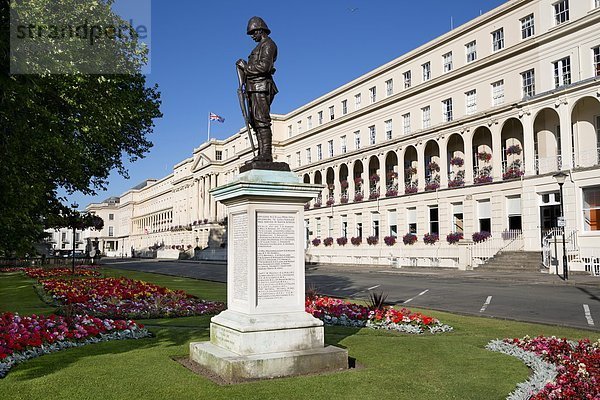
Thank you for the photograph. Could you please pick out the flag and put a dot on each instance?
(215, 117)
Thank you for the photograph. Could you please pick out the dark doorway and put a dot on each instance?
(549, 218)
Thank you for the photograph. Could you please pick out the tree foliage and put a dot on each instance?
(65, 131)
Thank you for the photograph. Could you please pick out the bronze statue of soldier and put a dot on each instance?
(260, 89)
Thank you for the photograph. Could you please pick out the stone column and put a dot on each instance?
(496, 151)
(421, 166)
(443, 147)
(566, 150)
(468, 143)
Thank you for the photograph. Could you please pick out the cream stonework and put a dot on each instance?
(468, 145)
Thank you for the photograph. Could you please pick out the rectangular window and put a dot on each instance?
(591, 209)
(498, 93)
(457, 218)
(344, 107)
(373, 94)
(77, 236)
(343, 144)
(528, 79)
(596, 51)
(407, 79)
(319, 152)
(288, 159)
(357, 140)
(64, 236)
(344, 226)
(289, 131)
(388, 129)
(298, 159)
(372, 137)
(411, 219)
(471, 49)
(309, 122)
(329, 226)
(426, 113)
(375, 224)
(393, 223)
(485, 215)
(527, 27)
(434, 221)
(218, 155)
(358, 219)
(597, 3)
(447, 110)
(513, 208)
(308, 156)
(471, 101)
(357, 101)
(562, 72)
(226, 154)
(498, 39)
(320, 117)
(299, 126)
(389, 87)
(331, 113)
(447, 62)
(111, 231)
(318, 228)
(426, 71)
(111, 217)
(561, 12)
(406, 123)
(330, 148)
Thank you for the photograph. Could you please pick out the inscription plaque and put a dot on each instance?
(276, 256)
(239, 236)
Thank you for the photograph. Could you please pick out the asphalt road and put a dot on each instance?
(524, 298)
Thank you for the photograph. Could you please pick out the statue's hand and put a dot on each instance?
(241, 64)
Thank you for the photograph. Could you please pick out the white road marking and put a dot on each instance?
(487, 303)
(420, 294)
(373, 287)
(588, 315)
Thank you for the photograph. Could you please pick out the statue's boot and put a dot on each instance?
(264, 145)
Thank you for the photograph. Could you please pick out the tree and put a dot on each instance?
(67, 130)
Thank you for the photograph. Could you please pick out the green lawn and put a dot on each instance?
(445, 366)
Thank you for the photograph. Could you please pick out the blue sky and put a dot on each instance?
(322, 45)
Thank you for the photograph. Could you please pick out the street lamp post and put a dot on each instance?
(74, 207)
(560, 179)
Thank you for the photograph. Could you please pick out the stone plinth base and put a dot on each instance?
(233, 367)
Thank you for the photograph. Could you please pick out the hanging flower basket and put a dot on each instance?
(514, 149)
(484, 156)
(317, 204)
(344, 199)
(358, 181)
(391, 193)
(454, 237)
(410, 171)
(433, 166)
(512, 173)
(457, 161)
(372, 240)
(330, 202)
(391, 175)
(481, 179)
(316, 242)
(390, 240)
(454, 183)
(431, 186)
(374, 178)
(341, 241)
(358, 197)
(409, 238)
(431, 238)
(374, 195)
(328, 241)
(344, 184)
(356, 240)
(411, 188)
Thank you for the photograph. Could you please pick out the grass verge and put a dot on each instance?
(447, 366)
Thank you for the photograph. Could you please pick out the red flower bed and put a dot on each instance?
(38, 273)
(126, 297)
(578, 366)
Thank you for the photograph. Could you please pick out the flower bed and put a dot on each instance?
(23, 338)
(340, 312)
(122, 297)
(563, 369)
(40, 273)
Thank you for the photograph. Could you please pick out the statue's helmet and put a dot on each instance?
(257, 23)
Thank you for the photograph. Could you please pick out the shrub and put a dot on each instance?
(454, 237)
(390, 240)
(356, 240)
(328, 241)
(341, 241)
(482, 236)
(316, 242)
(372, 240)
(431, 238)
(409, 238)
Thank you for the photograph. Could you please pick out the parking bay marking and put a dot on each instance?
(420, 294)
(487, 303)
(588, 315)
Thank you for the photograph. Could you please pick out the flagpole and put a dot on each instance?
(208, 138)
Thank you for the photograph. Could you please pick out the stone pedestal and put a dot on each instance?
(265, 331)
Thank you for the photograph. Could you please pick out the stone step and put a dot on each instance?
(514, 261)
